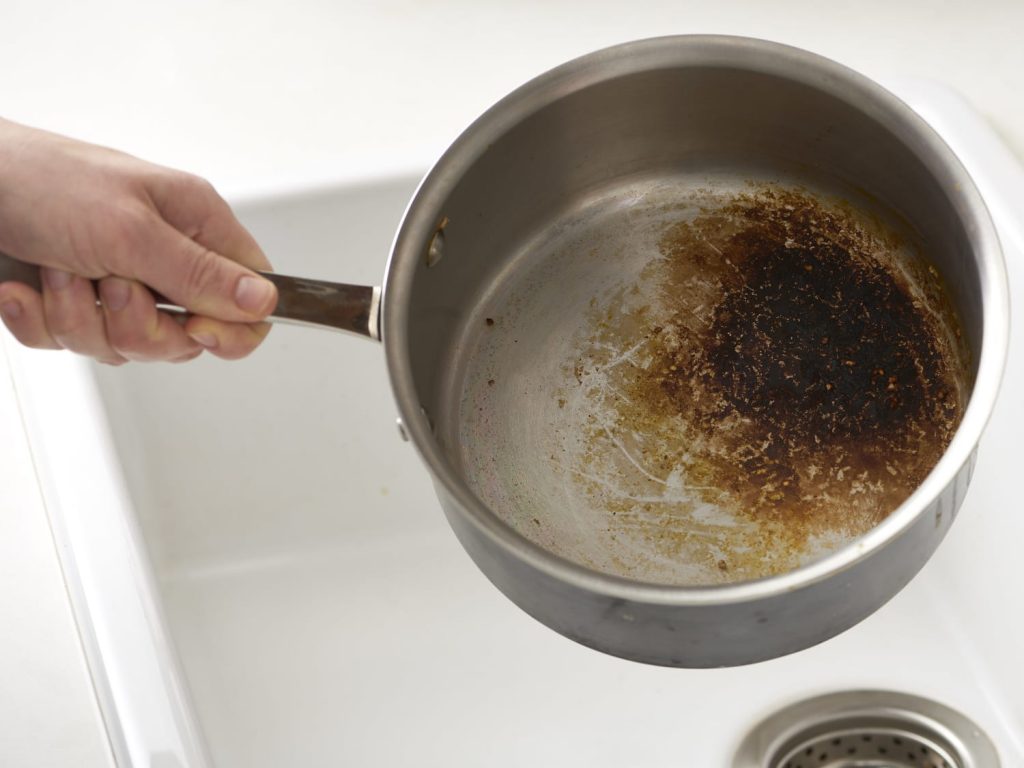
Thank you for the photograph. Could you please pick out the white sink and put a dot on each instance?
(263, 577)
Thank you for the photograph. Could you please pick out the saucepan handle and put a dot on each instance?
(338, 306)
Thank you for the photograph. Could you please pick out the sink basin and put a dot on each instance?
(263, 578)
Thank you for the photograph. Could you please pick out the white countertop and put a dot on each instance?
(258, 94)
(262, 96)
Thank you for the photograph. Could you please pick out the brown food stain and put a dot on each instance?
(795, 372)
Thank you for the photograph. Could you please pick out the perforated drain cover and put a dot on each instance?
(867, 729)
(874, 746)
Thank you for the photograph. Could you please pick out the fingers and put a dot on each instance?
(127, 326)
(229, 341)
(66, 316)
(22, 311)
(72, 317)
(137, 330)
(202, 281)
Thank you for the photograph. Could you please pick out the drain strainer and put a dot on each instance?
(867, 729)
(873, 745)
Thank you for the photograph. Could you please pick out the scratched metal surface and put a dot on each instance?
(562, 442)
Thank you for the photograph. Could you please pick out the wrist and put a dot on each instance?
(15, 177)
(8, 144)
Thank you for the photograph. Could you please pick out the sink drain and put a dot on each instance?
(873, 745)
(867, 729)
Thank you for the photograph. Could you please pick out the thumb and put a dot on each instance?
(205, 282)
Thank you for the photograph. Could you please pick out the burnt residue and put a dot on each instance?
(814, 344)
(793, 368)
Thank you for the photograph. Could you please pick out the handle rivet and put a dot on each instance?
(435, 251)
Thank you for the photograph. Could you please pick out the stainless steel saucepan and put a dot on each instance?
(697, 337)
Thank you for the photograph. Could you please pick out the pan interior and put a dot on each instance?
(708, 378)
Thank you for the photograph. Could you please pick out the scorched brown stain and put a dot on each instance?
(802, 376)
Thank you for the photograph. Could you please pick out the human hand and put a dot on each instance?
(86, 213)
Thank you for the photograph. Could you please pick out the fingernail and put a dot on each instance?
(115, 293)
(207, 340)
(11, 310)
(253, 294)
(56, 279)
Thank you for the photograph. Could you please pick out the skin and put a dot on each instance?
(104, 225)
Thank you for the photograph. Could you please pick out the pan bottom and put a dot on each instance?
(709, 379)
